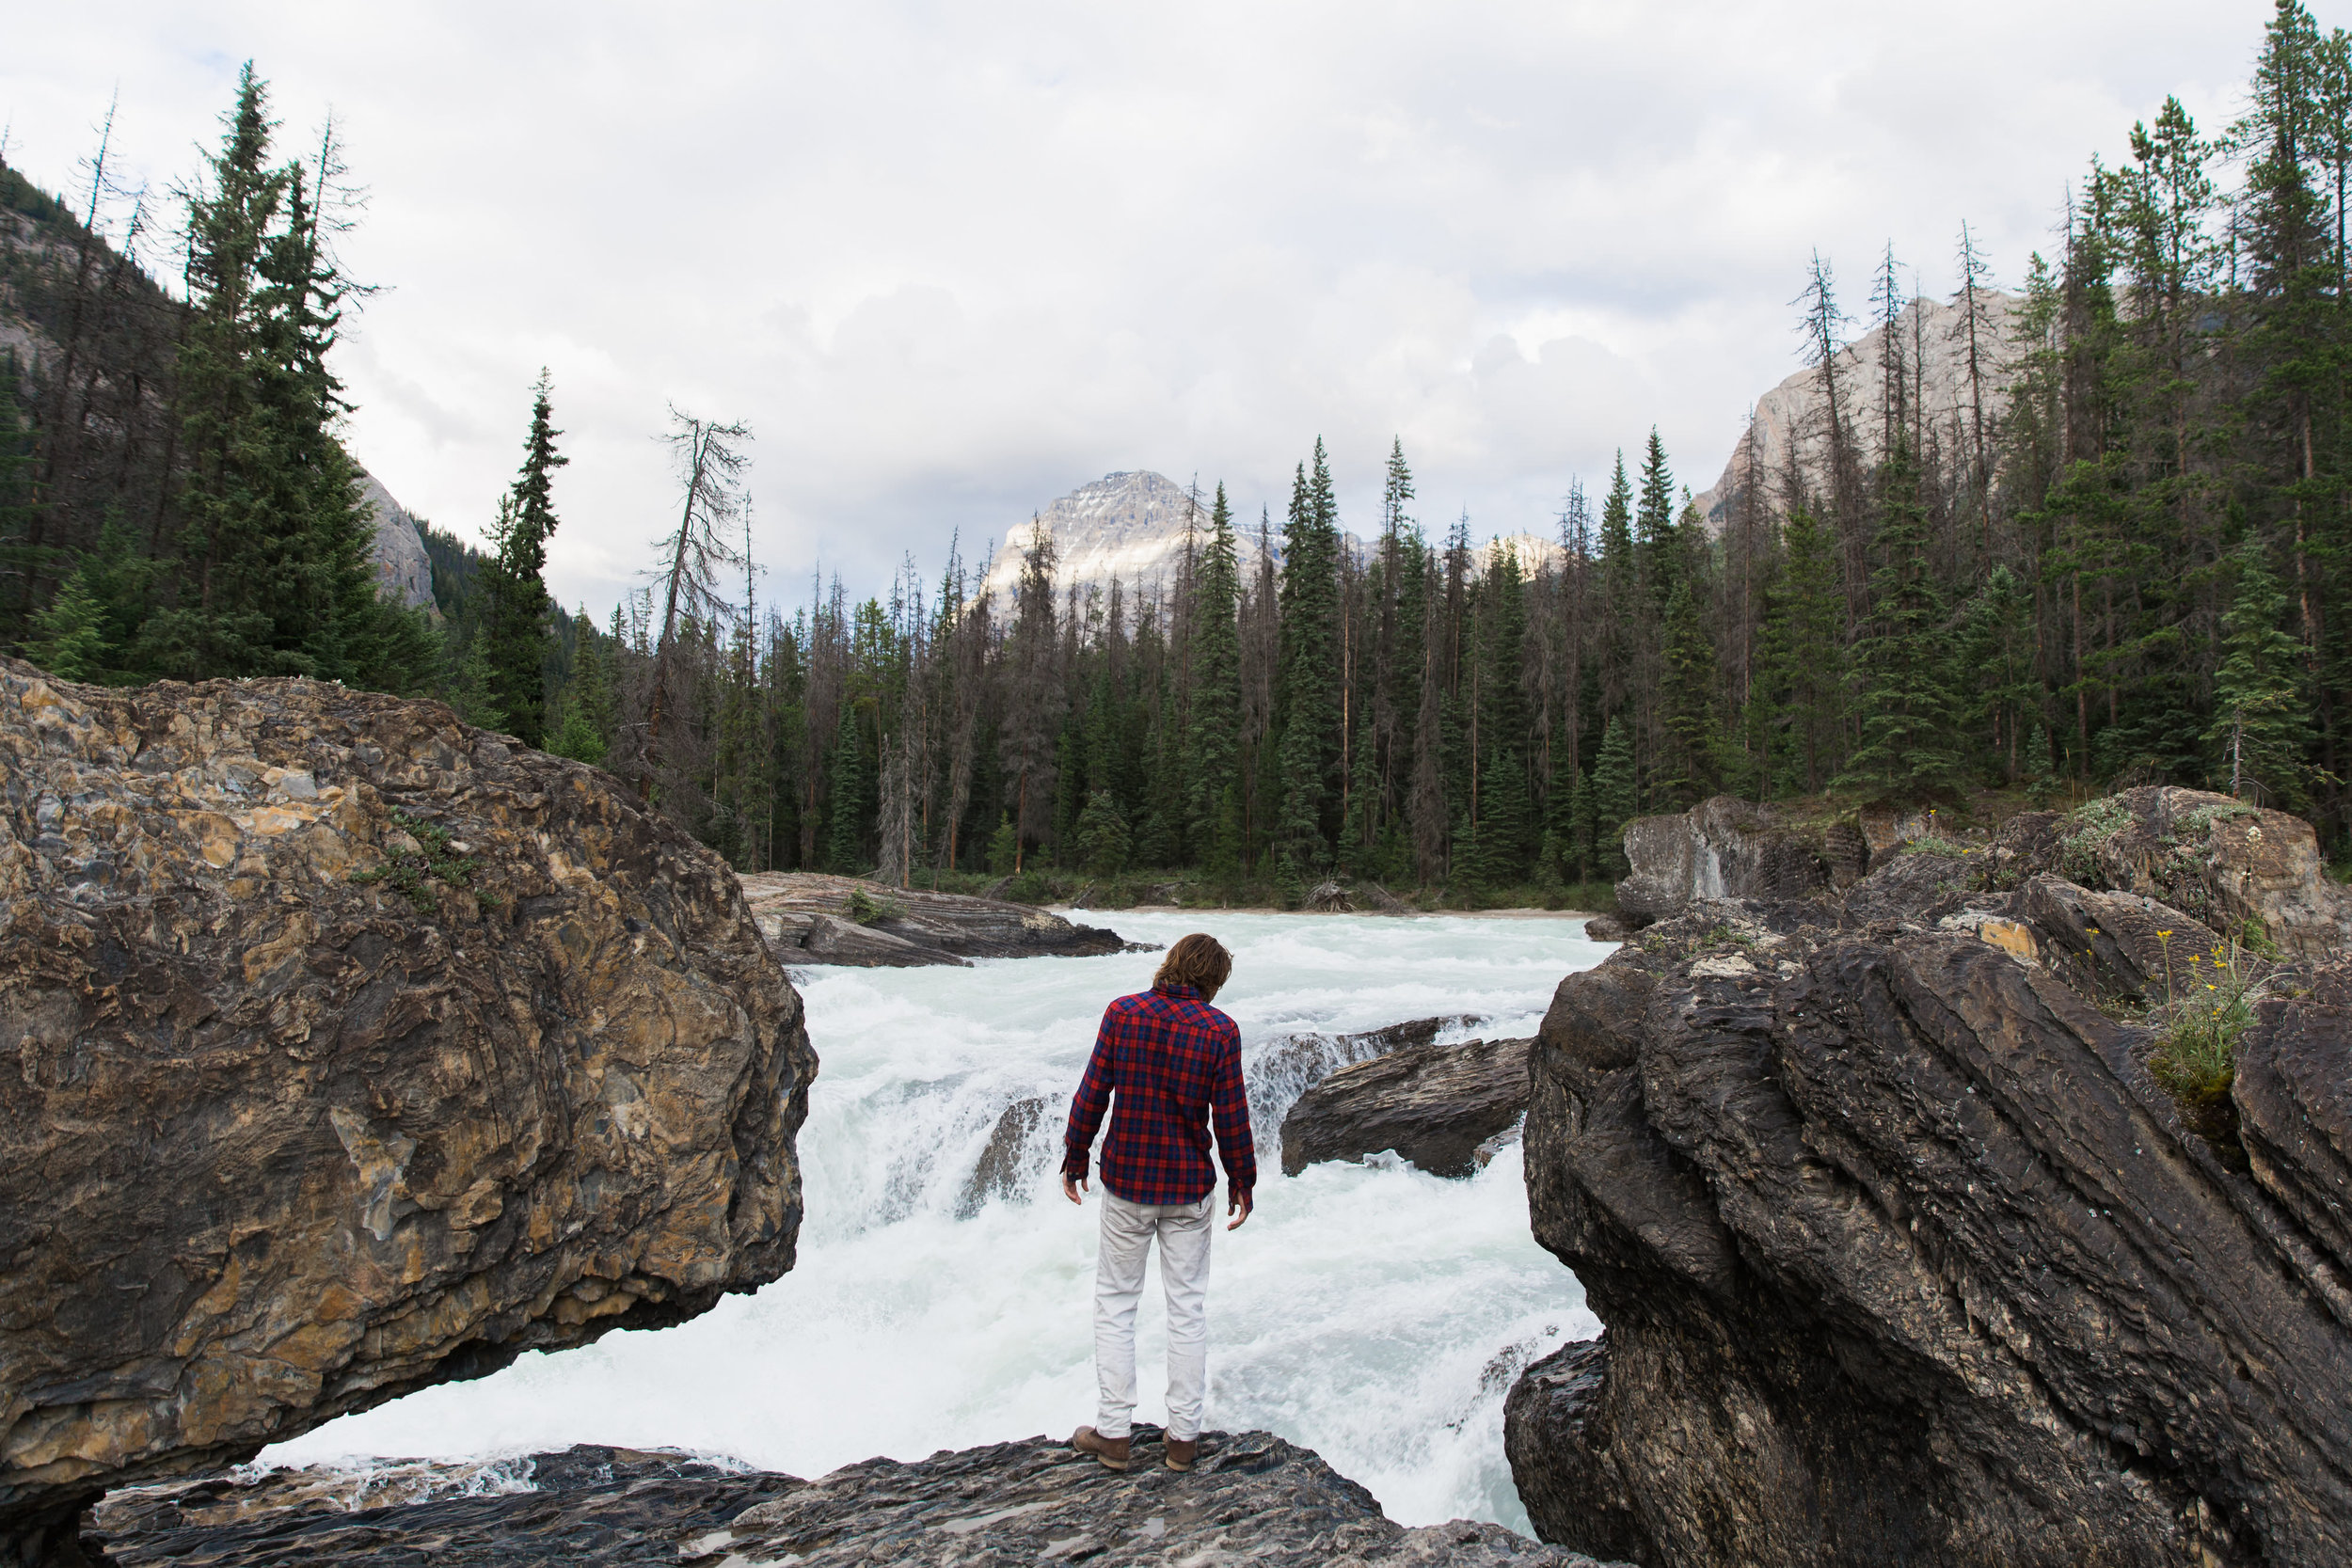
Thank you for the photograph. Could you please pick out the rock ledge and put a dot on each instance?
(1252, 1496)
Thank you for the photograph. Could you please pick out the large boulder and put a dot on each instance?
(1726, 847)
(1252, 1497)
(354, 1050)
(812, 918)
(1905, 1257)
(1440, 1107)
(1281, 1069)
(2231, 864)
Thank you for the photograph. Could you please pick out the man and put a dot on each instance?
(1173, 1064)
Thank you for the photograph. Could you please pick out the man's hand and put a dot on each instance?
(1072, 1186)
(1237, 1204)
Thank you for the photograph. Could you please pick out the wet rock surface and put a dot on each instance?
(354, 1051)
(1443, 1108)
(1904, 1255)
(1251, 1497)
(1291, 1066)
(1003, 1168)
(811, 918)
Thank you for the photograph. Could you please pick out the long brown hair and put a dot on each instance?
(1199, 960)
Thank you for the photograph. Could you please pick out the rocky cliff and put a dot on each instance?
(1903, 1252)
(1791, 431)
(402, 570)
(354, 1051)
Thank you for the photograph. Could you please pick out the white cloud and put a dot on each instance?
(950, 260)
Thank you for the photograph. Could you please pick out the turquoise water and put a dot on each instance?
(1371, 1312)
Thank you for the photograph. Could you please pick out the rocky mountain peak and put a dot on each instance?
(1130, 526)
(1791, 432)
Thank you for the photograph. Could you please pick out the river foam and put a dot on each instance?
(1371, 1312)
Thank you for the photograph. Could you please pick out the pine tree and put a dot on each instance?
(515, 614)
(1505, 820)
(216, 627)
(1584, 821)
(1620, 585)
(1102, 838)
(2261, 722)
(1004, 847)
(1659, 550)
(844, 826)
(1903, 664)
(1034, 697)
(1215, 717)
(2041, 773)
(1308, 748)
(70, 634)
(474, 694)
(1613, 799)
(1686, 769)
(584, 728)
(277, 577)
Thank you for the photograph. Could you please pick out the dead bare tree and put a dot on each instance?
(690, 562)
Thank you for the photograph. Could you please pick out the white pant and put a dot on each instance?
(1184, 1230)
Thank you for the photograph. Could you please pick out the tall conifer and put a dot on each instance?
(516, 614)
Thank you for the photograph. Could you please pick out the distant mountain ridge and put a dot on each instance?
(1131, 525)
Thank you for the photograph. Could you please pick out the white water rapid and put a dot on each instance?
(1371, 1312)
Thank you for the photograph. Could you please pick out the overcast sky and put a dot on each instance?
(952, 261)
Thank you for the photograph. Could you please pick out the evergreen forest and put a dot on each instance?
(2126, 559)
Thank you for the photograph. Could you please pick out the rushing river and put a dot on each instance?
(1371, 1312)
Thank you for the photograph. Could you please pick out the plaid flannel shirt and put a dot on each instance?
(1175, 1062)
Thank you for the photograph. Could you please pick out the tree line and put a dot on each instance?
(2117, 555)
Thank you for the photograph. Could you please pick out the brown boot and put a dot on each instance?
(1112, 1451)
(1182, 1451)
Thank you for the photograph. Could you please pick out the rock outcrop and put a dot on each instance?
(811, 918)
(1726, 847)
(2222, 860)
(1442, 1108)
(1903, 1254)
(1282, 1069)
(1252, 1496)
(1004, 1164)
(354, 1051)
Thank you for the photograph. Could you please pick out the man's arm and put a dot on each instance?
(1228, 1108)
(1086, 1109)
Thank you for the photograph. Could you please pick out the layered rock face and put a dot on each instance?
(1903, 1254)
(1443, 1108)
(811, 918)
(354, 1051)
(1251, 1497)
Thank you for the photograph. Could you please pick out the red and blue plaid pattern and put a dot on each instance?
(1175, 1061)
